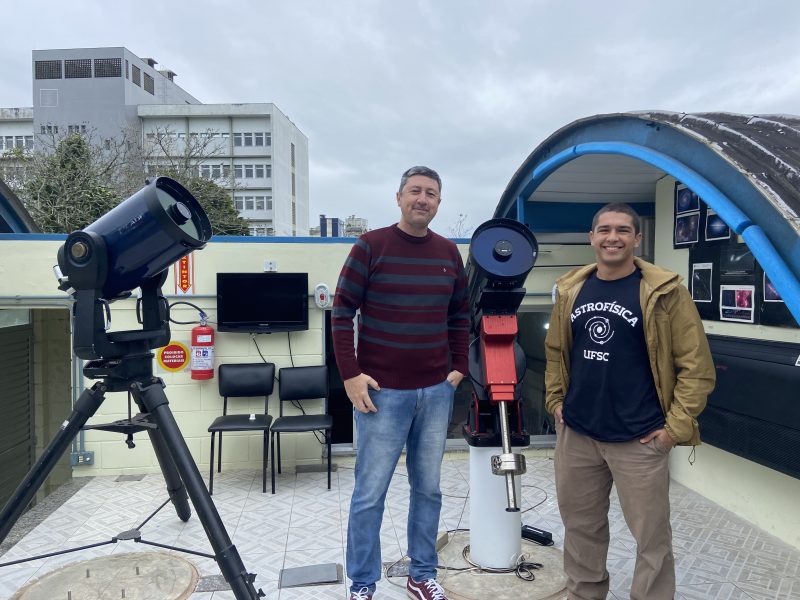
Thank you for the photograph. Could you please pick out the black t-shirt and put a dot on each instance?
(611, 395)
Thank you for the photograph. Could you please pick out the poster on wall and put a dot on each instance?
(716, 228)
(687, 217)
(701, 282)
(771, 293)
(736, 303)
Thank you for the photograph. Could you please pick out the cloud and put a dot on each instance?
(465, 86)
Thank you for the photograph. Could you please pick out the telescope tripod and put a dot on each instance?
(133, 373)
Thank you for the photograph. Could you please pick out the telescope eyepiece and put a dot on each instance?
(79, 251)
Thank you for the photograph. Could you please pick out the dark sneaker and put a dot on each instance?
(428, 589)
(362, 594)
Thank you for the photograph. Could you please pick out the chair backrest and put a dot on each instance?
(246, 380)
(303, 383)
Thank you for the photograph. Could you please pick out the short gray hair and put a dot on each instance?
(424, 171)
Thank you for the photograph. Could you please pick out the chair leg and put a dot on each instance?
(264, 465)
(219, 454)
(279, 452)
(272, 447)
(328, 439)
(211, 468)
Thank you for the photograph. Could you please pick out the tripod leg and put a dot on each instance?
(175, 489)
(153, 398)
(86, 405)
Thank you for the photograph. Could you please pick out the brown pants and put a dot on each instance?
(585, 470)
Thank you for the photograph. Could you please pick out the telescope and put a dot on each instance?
(132, 246)
(501, 254)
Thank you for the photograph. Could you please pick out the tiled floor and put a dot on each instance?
(717, 554)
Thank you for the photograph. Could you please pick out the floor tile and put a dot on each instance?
(718, 555)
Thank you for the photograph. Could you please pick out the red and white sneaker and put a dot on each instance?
(429, 589)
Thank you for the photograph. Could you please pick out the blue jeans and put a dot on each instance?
(417, 419)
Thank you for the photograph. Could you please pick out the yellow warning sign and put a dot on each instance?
(173, 357)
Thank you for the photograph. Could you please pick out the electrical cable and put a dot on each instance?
(294, 402)
(203, 315)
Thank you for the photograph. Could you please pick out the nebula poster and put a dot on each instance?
(736, 303)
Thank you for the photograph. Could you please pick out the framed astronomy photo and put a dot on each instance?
(687, 217)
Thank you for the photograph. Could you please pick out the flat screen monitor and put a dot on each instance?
(262, 302)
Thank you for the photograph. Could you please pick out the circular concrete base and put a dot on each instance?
(549, 584)
(133, 576)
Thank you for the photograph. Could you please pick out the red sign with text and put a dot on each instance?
(183, 272)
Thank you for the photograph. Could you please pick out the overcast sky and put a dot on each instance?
(467, 87)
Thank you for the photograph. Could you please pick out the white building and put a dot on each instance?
(253, 150)
(352, 226)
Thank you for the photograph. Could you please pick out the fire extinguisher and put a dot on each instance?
(202, 360)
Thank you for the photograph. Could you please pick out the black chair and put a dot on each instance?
(296, 384)
(239, 381)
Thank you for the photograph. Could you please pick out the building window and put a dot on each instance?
(294, 191)
(79, 68)
(268, 171)
(258, 139)
(216, 171)
(226, 171)
(48, 129)
(126, 68)
(248, 171)
(269, 202)
(248, 139)
(260, 171)
(260, 203)
(248, 202)
(108, 67)
(292, 153)
(239, 204)
(47, 69)
(136, 75)
(237, 139)
(149, 84)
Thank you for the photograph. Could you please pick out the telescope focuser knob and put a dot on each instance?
(508, 464)
(503, 250)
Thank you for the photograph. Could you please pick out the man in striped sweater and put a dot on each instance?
(410, 286)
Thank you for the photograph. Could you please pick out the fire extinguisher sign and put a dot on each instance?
(183, 275)
(173, 357)
(203, 357)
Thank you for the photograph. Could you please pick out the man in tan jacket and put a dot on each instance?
(628, 371)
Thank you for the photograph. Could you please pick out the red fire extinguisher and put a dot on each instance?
(202, 360)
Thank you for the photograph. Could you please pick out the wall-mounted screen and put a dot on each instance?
(262, 302)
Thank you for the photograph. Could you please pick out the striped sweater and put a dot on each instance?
(414, 324)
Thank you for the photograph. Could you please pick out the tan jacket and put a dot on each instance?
(680, 358)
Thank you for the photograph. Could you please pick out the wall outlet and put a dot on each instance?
(76, 459)
(270, 266)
